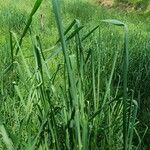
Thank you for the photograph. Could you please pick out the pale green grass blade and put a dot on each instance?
(6, 139)
(22, 55)
(114, 21)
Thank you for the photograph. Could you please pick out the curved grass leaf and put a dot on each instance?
(114, 21)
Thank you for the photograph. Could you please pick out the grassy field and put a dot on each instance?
(74, 75)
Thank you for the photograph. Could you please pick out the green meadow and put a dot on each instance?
(74, 75)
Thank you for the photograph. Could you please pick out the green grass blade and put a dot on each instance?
(74, 33)
(132, 123)
(88, 34)
(35, 8)
(125, 76)
(114, 21)
(6, 139)
(69, 28)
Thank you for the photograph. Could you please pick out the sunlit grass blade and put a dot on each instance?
(6, 139)
(22, 55)
(114, 21)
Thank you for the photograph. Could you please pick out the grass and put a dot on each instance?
(80, 83)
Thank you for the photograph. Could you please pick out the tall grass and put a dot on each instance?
(73, 95)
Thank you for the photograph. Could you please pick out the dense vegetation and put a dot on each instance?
(74, 75)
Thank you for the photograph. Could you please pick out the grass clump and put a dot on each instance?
(76, 91)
